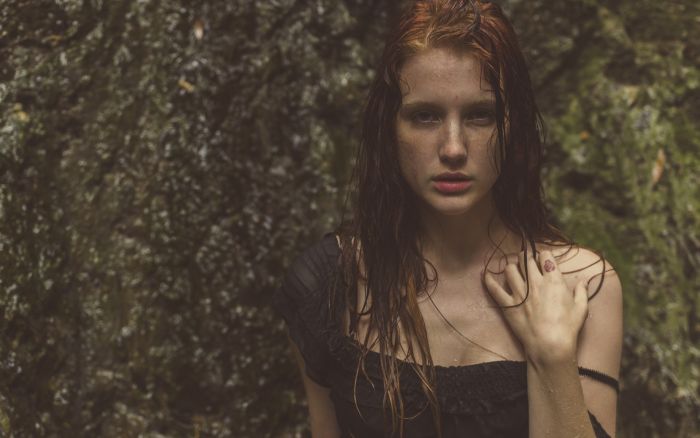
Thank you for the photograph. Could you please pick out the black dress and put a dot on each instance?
(481, 400)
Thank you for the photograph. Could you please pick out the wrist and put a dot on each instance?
(546, 356)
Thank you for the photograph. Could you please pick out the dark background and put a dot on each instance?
(162, 162)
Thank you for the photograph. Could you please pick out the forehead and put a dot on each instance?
(443, 74)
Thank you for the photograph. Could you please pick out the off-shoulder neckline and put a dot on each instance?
(451, 368)
(465, 368)
(404, 363)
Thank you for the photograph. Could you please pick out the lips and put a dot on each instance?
(450, 187)
(452, 176)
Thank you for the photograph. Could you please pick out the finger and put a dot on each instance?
(533, 268)
(516, 283)
(581, 301)
(497, 292)
(549, 266)
(533, 272)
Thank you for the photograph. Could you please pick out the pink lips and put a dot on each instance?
(452, 182)
(446, 186)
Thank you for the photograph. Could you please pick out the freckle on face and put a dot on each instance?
(447, 85)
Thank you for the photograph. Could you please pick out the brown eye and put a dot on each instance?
(425, 117)
(482, 117)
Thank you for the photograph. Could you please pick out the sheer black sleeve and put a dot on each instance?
(302, 300)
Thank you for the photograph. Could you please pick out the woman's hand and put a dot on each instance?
(547, 323)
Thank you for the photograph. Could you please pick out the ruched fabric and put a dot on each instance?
(481, 400)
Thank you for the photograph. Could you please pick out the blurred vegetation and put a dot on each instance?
(161, 162)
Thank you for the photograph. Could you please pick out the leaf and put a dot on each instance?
(185, 85)
(198, 28)
(54, 40)
(658, 169)
(20, 114)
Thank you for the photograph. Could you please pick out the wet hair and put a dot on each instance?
(380, 242)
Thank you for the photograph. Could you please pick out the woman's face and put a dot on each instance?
(446, 123)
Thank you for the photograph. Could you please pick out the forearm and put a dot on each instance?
(555, 400)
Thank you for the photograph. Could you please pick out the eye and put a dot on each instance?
(482, 117)
(425, 117)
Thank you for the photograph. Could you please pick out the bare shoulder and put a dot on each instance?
(575, 262)
(600, 339)
(578, 263)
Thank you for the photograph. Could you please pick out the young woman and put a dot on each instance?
(448, 305)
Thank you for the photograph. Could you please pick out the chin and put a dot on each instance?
(454, 207)
(454, 211)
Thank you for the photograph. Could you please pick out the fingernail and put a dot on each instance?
(548, 265)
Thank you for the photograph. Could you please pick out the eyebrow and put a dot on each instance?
(481, 103)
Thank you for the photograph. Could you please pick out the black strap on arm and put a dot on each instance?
(602, 377)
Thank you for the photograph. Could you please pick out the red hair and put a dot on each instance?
(383, 228)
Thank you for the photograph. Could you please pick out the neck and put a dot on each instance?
(456, 243)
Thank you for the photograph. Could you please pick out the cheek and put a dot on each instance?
(413, 152)
(488, 156)
(410, 159)
(495, 160)
(404, 161)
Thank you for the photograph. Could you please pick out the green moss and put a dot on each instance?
(161, 162)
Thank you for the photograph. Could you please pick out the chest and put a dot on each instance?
(464, 326)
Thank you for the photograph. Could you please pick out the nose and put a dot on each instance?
(453, 147)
